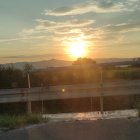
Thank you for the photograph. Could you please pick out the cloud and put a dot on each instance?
(98, 6)
(46, 24)
(61, 30)
(28, 31)
(65, 31)
(31, 56)
(21, 38)
(111, 33)
(77, 10)
(105, 4)
(9, 39)
(124, 27)
(52, 26)
(19, 56)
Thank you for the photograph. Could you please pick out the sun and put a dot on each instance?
(77, 48)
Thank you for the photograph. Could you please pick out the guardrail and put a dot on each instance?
(70, 91)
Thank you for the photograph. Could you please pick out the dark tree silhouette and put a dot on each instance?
(27, 68)
(84, 61)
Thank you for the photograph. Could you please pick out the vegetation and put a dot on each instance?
(11, 77)
(84, 61)
(15, 121)
(83, 70)
(27, 68)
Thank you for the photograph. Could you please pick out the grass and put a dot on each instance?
(8, 122)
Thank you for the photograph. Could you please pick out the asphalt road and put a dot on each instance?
(119, 129)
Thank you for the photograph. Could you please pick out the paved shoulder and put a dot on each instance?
(119, 129)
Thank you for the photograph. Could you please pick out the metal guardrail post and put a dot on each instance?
(91, 104)
(29, 107)
(42, 106)
(101, 104)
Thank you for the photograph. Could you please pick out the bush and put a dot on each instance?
(30, 119)
(12, 121)
(7, 121)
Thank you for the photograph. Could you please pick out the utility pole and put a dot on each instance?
(29, 104)
(101, 94)
(29, 84)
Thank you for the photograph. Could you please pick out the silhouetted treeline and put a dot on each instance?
(84, 61)
(11, 77)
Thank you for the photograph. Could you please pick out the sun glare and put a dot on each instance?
(77, 48)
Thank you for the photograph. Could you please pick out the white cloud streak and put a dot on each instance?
(52, 26)
(21, 38)
(98, 6)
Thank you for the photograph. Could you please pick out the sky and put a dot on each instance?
(34, 30)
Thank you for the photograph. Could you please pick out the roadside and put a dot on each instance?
(9, 122)
(110, 129)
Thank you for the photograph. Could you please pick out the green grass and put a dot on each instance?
(8, 122)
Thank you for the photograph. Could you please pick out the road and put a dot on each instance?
(115, 129)
(70, 91)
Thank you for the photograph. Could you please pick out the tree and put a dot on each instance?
(84, 61)
(136, 62)
(27, 68)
